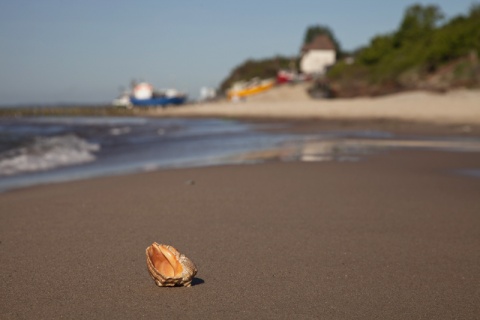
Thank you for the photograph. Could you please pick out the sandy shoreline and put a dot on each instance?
(393, 237)
(459, 107)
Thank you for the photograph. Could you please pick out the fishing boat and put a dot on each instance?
(143, 95)
(158, 101)
(252, 87)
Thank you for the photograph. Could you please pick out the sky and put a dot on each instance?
(59, 51)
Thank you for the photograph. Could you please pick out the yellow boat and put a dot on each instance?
(245, 89)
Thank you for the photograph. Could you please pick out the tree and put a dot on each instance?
(316, 30)
(475, 10)
(379, 48)
(418, 22)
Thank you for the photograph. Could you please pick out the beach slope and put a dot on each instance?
(459, 107)
(394, 236)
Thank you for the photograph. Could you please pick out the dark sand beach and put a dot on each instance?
(394, 236)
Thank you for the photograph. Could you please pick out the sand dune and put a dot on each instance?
(459, 107)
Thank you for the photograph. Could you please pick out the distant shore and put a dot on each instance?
(455, 108)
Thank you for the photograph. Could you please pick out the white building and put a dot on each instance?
(318, 55)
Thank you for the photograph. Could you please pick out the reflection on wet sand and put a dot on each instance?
(352, 149)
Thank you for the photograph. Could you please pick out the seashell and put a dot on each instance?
(168, 267)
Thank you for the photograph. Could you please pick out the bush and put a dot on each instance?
(264, 68)
(420, 44)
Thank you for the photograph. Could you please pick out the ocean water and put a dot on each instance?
(50, 149)
(42, 150)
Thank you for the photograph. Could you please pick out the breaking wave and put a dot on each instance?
(44, 153)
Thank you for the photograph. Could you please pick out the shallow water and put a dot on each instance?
(51, 149)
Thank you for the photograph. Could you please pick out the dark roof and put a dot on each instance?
(320, 42)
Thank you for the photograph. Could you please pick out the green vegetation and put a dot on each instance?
(425, 52)
(314, 31)
(269, 67)
(264, 68)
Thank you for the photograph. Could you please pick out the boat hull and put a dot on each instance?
(163, 101)
(251, 90)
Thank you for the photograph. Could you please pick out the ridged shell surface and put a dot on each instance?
(168, 267)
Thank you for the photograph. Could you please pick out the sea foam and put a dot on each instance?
(44, 153)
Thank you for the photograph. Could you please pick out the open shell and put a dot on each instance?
(168, 267)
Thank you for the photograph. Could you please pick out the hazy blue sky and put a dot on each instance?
(83, 51)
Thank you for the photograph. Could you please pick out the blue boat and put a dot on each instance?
(158, 101)
(143, 95)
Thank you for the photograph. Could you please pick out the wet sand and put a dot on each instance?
(394, 236)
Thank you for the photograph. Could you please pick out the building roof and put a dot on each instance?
(320, 42)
